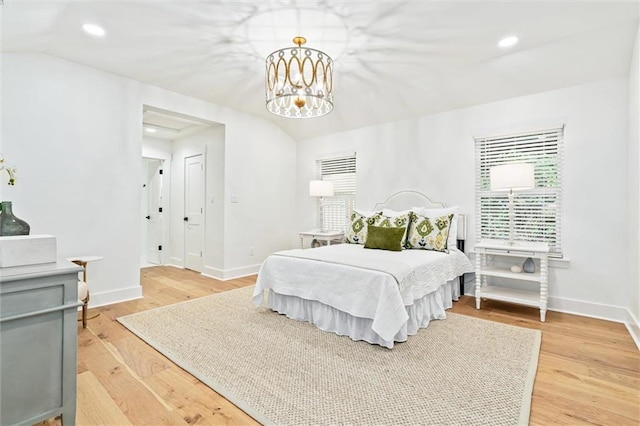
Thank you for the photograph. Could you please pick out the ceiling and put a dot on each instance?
(161, 124)
(393, 59)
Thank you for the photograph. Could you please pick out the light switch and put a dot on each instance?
(234, 198)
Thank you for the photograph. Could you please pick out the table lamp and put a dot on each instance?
(512, 177)
(321, 188)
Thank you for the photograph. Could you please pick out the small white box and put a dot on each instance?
(20, 250)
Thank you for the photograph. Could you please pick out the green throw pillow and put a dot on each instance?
(384, 238)
(400, 221)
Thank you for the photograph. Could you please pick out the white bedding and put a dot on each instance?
(357, 289)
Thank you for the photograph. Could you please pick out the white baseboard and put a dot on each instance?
(174, 266)
(587, 309)
(230, 274)
(116, 296)
(214, 273)
(633, 325)
(244, 271)
(582, 308)
(176, 261)
(226, 274)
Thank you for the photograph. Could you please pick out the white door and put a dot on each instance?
(155, 212)
(194, 212)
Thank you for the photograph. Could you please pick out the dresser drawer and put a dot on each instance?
(505, 252)
(20, 297)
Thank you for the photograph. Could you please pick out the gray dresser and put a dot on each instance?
(38, 342)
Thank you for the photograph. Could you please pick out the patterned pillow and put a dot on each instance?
(429, 233)
(357, 232)
(453, 231)
(399, 221)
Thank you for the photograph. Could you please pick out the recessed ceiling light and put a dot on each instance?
(93, 29)
(508, 41)
(150, 130)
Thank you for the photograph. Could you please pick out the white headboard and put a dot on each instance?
(403, 200)
(406, 199)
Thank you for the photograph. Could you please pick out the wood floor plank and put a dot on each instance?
(554, 409)
(196, 403)
(95, 405)
(193, 288)
(134, 399)
(588, 371)
(142, 359)
(629, 379)
(105, 327)
(595, 354)
(584, 389)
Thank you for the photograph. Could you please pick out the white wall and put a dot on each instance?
(75, 134)
(156, 148)
(633, 319)
(215, 205)
(435, 155)
(66, 128)
(261, 173)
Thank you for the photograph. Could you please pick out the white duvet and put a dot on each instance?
(365, 283)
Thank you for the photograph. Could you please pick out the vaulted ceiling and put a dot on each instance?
(393, 59)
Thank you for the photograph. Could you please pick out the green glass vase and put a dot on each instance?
(10, 224)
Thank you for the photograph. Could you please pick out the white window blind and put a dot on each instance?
(333, 212)
(538, 210)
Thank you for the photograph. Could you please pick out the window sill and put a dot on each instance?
(561, 263)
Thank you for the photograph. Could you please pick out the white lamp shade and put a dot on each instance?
(320, 188)
(516, 176)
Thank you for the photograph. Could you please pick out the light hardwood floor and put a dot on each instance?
(589, 370)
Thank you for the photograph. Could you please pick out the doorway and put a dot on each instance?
(193, 188)
(152, 212)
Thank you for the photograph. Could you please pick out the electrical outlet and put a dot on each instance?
(250, 251)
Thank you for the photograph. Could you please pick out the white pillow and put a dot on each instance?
(366, 213)
(395, 213)
(452, 242)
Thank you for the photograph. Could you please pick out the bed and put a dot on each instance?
(378, 296)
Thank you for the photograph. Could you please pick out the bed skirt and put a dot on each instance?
(430, 307)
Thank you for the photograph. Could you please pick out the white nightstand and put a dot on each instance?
(328, 236)
(521, 250)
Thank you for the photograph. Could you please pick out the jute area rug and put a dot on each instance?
(459, 371)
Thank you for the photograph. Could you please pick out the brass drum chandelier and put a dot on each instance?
(299, 82)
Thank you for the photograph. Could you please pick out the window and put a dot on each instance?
(334, 212)
(537, 211)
